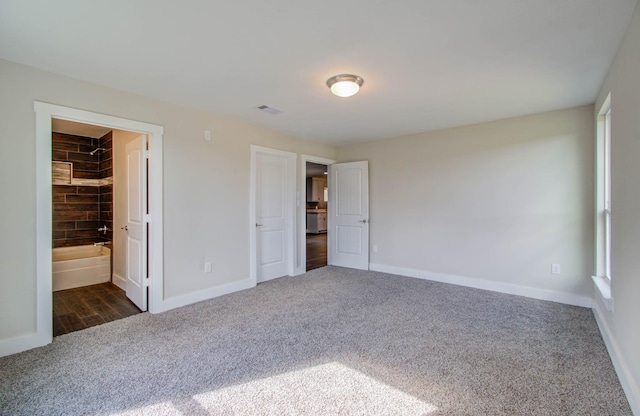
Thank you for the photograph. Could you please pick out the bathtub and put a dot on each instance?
(80, 266)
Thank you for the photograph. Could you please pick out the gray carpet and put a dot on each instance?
(333, 341)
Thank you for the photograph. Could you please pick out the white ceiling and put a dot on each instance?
(426, 64)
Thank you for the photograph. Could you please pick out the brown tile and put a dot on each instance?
(58, 234)
(59, 155)
(87, 147)
(106, 197)
(81, 174)
(93, 320)
(72, 322)
(80, 303)
(84, 225)
(84, 199)
(64, 146)
(88, 233)
(106, 189)
(58, 326)
(86, 166)
(63, 137)
(73, 215)
(59, 303)
(83, 157)
(93, 215)
(89, 190)
(64, 189)
(58, 198)
(107, 136)
(64, 225)
(75, 207)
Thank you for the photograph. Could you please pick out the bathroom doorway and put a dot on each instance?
(153, 276)
(90, 192)
(316, 225)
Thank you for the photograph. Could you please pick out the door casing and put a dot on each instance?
(301, 200)
(44, 113)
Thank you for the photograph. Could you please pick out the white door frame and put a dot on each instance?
(290, 214)
(302, 229)
(44, 113)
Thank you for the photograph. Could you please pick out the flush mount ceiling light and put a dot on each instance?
(345, 85)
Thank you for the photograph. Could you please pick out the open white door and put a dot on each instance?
(349, 215)
(273, 214)
(136, 223)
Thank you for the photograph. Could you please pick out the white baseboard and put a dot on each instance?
(530, 292)
(22, 343)
(119, 281)
(189, 298)
(629, 385)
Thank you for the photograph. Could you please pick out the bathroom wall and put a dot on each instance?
(84, 204)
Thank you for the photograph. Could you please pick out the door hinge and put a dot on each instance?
(147, 154)
(147, 218)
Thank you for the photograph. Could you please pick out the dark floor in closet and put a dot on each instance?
(83, 307)
(316, 251)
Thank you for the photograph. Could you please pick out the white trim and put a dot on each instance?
(302, 210)
(119, 281)
(625, 375)
(291, 208)
(205, 294)
(44, 113)
(22, 343)
(603, 288)
(530, 292)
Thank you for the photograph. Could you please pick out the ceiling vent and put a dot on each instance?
(270, 110)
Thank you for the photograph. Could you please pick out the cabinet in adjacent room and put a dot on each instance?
(316, 222)
(315, 189)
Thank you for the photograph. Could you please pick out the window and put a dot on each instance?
(602, 276)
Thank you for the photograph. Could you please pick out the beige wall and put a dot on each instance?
(622, 326)
(498, 201)
(206, 185)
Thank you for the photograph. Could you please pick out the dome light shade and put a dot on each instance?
(345, 85)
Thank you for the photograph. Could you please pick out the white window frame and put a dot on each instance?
(602, 276)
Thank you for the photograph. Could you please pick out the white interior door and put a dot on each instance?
(349, 215)
(272, 216)
(136, 222)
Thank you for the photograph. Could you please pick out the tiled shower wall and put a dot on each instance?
(79, 210)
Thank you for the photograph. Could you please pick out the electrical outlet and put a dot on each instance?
(207, 134)
(555, 268)
(207, 267)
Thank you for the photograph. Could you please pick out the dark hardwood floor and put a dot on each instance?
(83, 307)
(316, 251)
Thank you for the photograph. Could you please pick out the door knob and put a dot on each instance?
(259, 225)
(126, 228)
(363, 221)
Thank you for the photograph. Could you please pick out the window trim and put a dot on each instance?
(602, 273)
